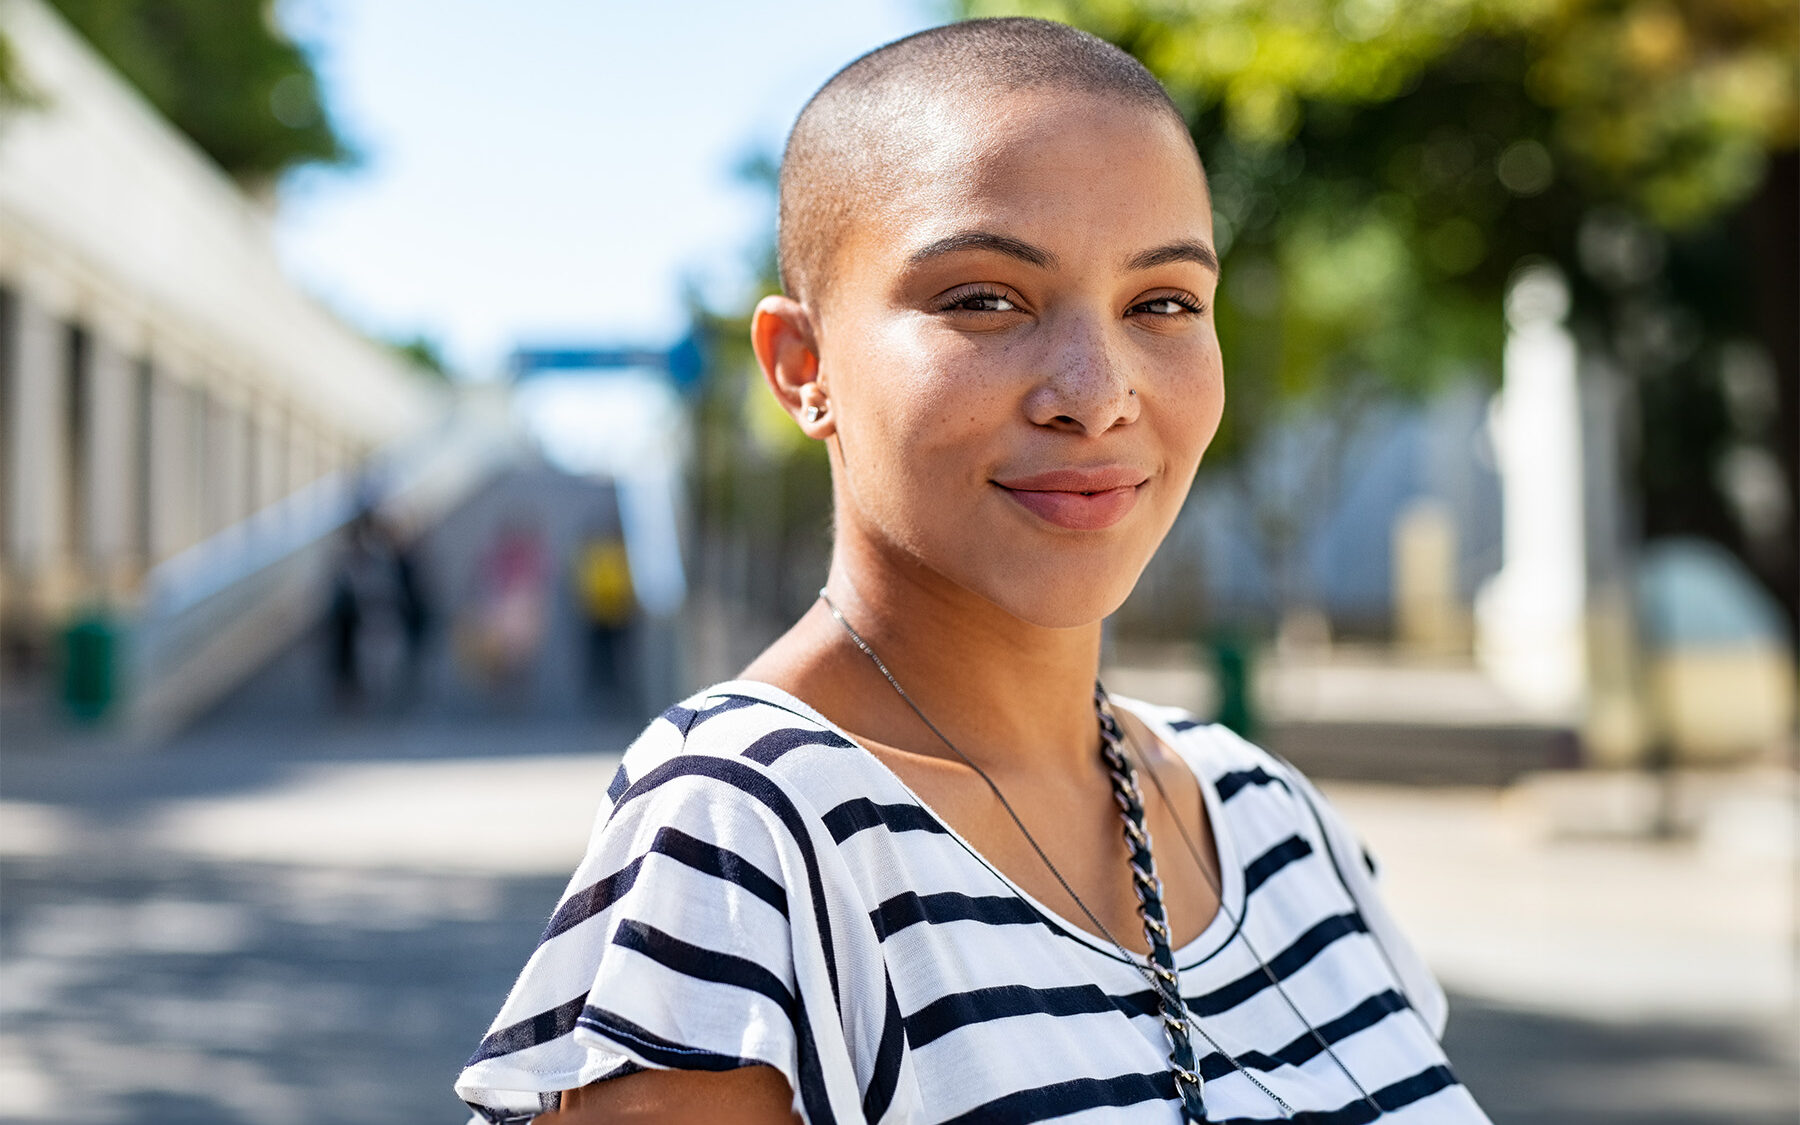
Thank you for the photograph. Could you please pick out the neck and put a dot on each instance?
(1007, 692)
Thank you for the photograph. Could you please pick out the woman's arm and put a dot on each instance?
(754, 1095)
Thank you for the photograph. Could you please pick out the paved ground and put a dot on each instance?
(186, 939)
(1597, 975)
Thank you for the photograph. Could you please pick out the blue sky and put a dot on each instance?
(551, 170)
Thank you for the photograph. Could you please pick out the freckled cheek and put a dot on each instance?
(934, 416)
(1191, 407)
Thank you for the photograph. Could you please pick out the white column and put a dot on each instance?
(108, 479)
(233, 461)
(144, 378)
(36, 475)
(1529, 616)
(1428, 616)
(173, 518)
(270, 445)
(301, 455)
(209, 460)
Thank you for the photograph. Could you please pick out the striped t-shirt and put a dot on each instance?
(761, 890)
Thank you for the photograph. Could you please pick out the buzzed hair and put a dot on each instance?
(854, 125)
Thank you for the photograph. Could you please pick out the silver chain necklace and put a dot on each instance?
(1177, 1020)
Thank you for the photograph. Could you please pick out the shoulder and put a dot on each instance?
(1214, 751)
(744, 736)
(697, 931)
(1260, 790)
(1256, 790)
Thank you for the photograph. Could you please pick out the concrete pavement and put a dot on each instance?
(327, 937)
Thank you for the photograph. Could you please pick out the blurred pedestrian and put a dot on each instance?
(609, 610)
(499, 639)
(378, 594)
(362, 588)
(414, 608)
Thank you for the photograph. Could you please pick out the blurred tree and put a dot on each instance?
(763, 489)
(425, 353)
(224, 73)
(12, 89)
(1380, 169)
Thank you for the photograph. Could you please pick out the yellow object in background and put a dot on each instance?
(603, 582)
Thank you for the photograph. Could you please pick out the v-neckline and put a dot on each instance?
(1213, 937)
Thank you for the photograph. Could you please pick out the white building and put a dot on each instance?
(160, 380)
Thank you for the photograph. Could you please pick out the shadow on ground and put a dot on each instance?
(188, 993)
(1543, 1069)
(168, 992)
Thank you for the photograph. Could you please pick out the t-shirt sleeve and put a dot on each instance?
(673, 947)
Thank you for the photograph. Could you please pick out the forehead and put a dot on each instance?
(1052, 165)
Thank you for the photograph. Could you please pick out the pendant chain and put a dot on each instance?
(1159, 971)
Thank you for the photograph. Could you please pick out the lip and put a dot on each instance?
(1077, 499)
(1101, 478)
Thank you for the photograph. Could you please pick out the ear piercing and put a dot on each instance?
(811, 414)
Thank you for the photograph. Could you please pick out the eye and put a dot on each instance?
(1171, 305)
(979, 301)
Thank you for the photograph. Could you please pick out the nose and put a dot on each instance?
(1085, 385)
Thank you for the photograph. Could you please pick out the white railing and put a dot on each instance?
(217, 612)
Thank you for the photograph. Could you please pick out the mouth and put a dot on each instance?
(1077, 499)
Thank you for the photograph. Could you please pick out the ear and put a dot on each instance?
(787, 349)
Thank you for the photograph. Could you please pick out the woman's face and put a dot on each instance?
(1020, 355)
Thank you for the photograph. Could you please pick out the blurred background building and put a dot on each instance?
(176, 414)
(312, 614)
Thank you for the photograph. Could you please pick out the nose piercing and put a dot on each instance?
(1131, 390)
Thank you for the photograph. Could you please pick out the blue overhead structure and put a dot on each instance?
(683, 363)
(635, 439)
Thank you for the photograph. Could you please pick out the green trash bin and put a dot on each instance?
(1232, 654)
(90, 666)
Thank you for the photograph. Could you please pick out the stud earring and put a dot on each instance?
(812, 413)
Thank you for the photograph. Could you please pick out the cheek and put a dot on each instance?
(926, 410)
(1190, 403)
(1208, 407)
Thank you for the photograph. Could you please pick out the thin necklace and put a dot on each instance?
(1176, 1018)
(1243, 933)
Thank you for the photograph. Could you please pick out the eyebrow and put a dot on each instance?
(983, 240)
(1186, 250)
(1183, 250)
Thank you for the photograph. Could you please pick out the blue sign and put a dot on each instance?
(684, 363)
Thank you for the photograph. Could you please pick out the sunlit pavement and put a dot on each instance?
(1596, 974)
(325, 936)
(322, 938)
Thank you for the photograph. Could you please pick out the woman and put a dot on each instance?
(913, 865)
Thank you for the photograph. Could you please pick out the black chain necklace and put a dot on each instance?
(1144, 881)
(1159, 967)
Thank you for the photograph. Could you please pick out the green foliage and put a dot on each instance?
(1666, 104)
(224, 73)
(425, 353)
(12, 90)
(763, 488)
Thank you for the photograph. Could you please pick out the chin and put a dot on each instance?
(1054, 592)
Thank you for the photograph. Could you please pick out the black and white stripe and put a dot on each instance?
(760, 891)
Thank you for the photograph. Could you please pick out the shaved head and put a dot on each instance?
(854, 141)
